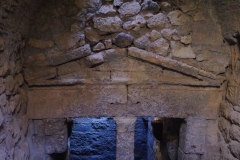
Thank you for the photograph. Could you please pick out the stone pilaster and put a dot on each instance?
(125, 137)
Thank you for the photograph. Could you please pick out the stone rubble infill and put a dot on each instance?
(129, 9)
(109, 24)
(172, 64)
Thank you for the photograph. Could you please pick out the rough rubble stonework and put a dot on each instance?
(124, 59)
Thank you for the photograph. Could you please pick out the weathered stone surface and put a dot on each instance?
(57, 58)
(92, 35)
(107, 9)
(136, 22)
(129, 9)
(2, 44)
(123, 40)
(159, 46)
(4, 69)
(150, 5)
(2, 86)
(108, 43)
(186, 39)
(67, 68)
(224, 127)
(117, 2)
(88, 3)
(39, 72)
(234, 133)
(142, 42)
(77, 27)
(159, 21)
(182, 155)
(36, 60)
(178, 18)
(56, 134)
(154, 35)
(189, 7)
(109, 24)
(116, 94)
(40, 43)
(235, 149)
(9, 84)
(99, 46)
(171, 64)
(125, 137)
(167, 33)
(180, 51)
(193, 136)
(67, 40)
(19, 79)
(95, 59)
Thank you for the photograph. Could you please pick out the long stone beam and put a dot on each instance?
(174, 65)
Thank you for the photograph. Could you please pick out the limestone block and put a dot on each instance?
(2, 86)
(189, 7)
(142, 42)
(123, 40)
(68, 68)
(234, 133)
(92, 35)
(21, 152)
(36, 60)
(180, 51)
(183, 156)
(169, 63)
(39, 72)
(3, 100)
(137, 21)
(108, 43)
(127, 64)
(159, 46)
(99, 46)
(117, 3)
(107, 10)
(67, 40)
(88, 3)
(157, 100)
(154, 35)
(109, 24)
(19, 79)
(232, 93)
(3, 152)
(36, 43)
(2, 44)
(158, 21)
(168, 33)
(193, 136)
(56, 58)
(129, 9)
(186, 39)
(4, 69)
(234, 147)
(178, 18)
(95, 59)
(1, 118)
(77, 27)
(9, 84)
(73, 100)
(150, 5)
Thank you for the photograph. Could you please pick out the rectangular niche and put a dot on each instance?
(93, 139)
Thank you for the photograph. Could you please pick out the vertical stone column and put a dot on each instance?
(125, 137)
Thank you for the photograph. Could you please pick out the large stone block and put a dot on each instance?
(170, 101)
(77, 101)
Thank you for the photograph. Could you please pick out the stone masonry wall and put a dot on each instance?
(119, 58)
(14, 22)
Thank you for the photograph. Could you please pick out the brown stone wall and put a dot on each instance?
(14, 22)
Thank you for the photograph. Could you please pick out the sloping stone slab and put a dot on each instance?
(57, 58)
(173, 64)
